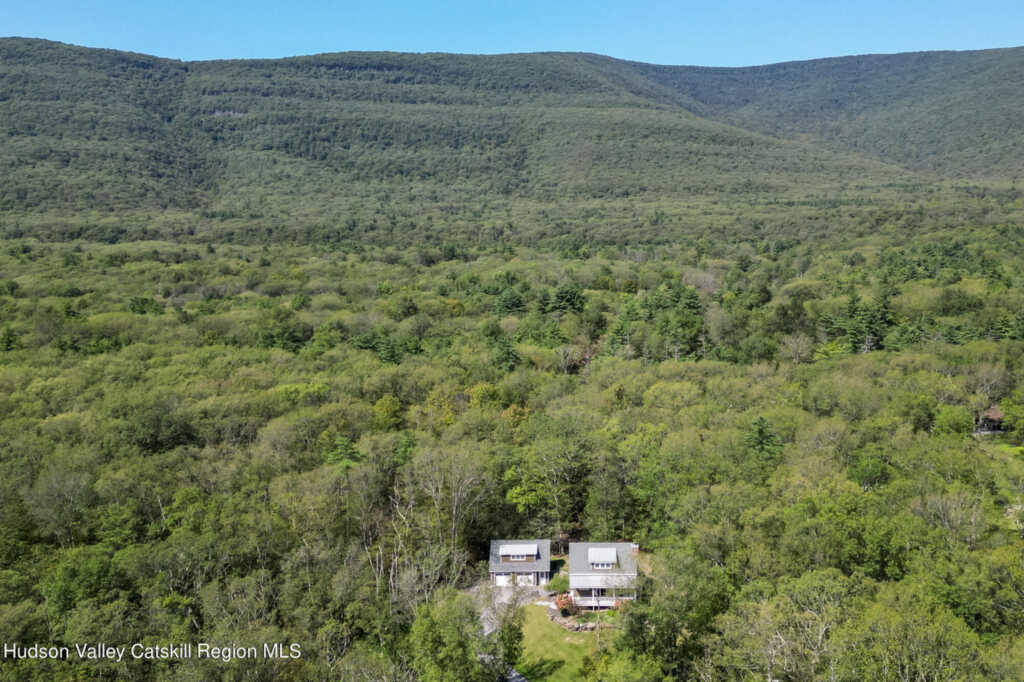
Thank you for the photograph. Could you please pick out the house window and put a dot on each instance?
(599, 567)
(518, 557)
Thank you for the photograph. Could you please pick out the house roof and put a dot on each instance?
(541, 549)
(601, 555)
(623, 559)
(619, 554)
(993, 413)
(589, 582)
(529, 549)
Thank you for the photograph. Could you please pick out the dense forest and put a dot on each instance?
(284, 344)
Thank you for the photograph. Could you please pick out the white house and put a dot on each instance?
(602, 573)
(520, 562)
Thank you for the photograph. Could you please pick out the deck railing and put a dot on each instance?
(607, 601)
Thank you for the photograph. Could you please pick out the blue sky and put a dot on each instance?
(724, 33)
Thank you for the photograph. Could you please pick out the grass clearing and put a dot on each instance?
(551, 654)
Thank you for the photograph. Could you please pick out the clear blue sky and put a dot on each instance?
(724, 33)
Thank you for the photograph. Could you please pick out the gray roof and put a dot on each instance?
(542, 564)
(522, 549)
(602, 555)
(579, 562)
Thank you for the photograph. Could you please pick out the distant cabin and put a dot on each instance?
(991, 420)
(520, 562)
(602, 573)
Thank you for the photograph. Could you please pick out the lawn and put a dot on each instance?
(551, 654)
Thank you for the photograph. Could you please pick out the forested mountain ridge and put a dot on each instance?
(953, 113)
(240, 147)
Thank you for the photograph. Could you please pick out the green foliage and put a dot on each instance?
(84, 573)
(560, 583)
(424, 301)
(387, 433)
(622, 667)
(387, 413)
(505, 356)
(143, 305)
(903, 635)
(279, 328)
(763, 447)
(509, 301)
(955, 419)
(9, 340)
(508, 635)
(675, 612)
(786, 634)
(446, 641)
(983, 588)
(871, 469)
(154, 426)
(224, 461)
(342, 453)
(954, 301)
(568, 298)
(445, 151)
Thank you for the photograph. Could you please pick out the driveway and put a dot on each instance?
(490, 598)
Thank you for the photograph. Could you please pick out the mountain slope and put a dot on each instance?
(92, 128)
(953, 113)
(393, 144)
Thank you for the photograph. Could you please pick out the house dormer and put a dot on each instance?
(601, 558)
(518, 552)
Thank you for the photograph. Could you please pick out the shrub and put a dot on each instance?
(564, 604)
(559, 583)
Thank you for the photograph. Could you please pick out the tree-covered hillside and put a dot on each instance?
(950, 113)
(238, 444)
(284, 344)
(356, 145)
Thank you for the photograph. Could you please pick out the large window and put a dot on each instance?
(601, 566)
